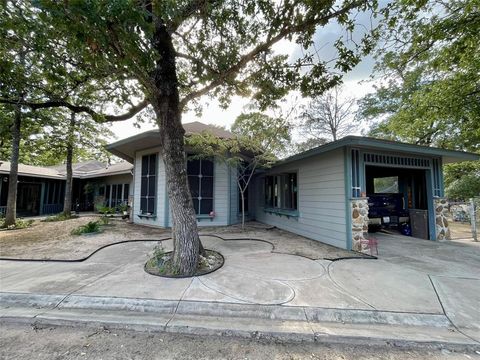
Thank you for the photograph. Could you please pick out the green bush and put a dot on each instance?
(88, 228)
(19, 224)
(105, 210)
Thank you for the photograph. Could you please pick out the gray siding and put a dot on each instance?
(321, 199)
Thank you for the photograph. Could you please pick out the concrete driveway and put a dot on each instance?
(413, 281)
(453, 268)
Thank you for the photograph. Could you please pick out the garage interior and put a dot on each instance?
(398, 200)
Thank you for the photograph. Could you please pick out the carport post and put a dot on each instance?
(432, 229)
(473, 219)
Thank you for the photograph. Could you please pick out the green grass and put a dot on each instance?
(88, 228)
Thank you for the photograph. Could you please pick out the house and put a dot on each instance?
(322, 194)
(41, 189)
(212, 182)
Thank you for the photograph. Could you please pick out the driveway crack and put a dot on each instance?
(345, 291)
(178, 303)
(445, 313)
(77, 289)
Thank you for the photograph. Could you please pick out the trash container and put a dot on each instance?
(419, 223)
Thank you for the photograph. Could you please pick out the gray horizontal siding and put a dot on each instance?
(321, 199)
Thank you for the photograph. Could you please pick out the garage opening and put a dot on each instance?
(397, 200)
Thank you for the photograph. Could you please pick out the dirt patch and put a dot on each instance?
(283, 241)
(162, 264)
(20, 341)
(53, 240)
(459, 230)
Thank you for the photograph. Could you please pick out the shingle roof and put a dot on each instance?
(126, 148)
(30, 170)
(197, 127)
(88, 169)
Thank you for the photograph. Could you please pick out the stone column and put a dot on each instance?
(359, 211)
(441, 222)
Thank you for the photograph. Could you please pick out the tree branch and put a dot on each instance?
(98, 117)
(266, 45)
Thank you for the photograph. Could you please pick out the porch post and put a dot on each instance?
(359, 216)
(42, 197)
(442, 231)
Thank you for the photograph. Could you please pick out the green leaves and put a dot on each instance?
(431, 94)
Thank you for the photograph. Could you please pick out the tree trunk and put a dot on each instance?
(243, 208)
(67, 202)
(165, 101)
(11, 214)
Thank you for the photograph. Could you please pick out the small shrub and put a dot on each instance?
(105, 210)
(88, 228)
(105, 220)
(19, 224)
(59, 217)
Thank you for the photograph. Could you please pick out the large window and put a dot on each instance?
(200, 180)
(115, 194)
(281, 191)
(148, 184)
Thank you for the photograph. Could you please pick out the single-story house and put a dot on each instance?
(41, 189)
(322, 193)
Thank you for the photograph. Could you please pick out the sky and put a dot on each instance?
(356, 83)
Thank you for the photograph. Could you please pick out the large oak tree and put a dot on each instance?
(171, 53)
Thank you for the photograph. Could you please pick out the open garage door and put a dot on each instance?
(398, 200)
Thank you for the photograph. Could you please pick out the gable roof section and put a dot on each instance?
(448, 156)
(126, 148)
(30, 170)
(85, 170)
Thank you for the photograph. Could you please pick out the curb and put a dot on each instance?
(224, 310)
(268, 322)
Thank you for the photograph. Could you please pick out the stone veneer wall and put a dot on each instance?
(441, 223)
(359, 211)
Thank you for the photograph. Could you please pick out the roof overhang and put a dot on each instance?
(448, 156)
(126, 148)
(105, 174)
(37, 175)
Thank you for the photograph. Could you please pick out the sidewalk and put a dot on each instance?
(256, 294)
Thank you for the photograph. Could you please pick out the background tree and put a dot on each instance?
(263, 137)
(328, 116)
(258, 140)
(33, 67)
(430, 71)
(170, 54)
(308, 144)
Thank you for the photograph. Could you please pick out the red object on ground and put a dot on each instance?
(372, 243)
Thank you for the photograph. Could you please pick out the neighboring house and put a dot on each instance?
(41, 190)
(321, 193)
